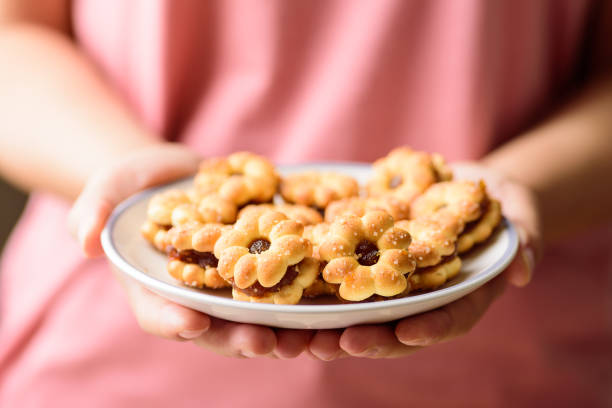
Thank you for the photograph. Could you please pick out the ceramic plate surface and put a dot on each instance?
(130, 254)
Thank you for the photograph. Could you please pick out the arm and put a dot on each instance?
(65, 131)
(553, 181)
(61, 121)
(567, 162)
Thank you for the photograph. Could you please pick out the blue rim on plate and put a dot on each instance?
(116, 258)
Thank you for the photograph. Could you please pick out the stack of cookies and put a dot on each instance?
(404, 231)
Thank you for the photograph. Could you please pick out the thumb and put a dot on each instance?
(110, 185)
(520, 271)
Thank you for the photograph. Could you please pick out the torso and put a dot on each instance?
(340, 81)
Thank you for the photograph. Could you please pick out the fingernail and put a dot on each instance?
(191, 334)
(371, 352)
(249, 354)
(323, 357)
(529, 260)
(522, 233)
(84, 230)
(82, 233)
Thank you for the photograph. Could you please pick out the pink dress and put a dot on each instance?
(301, 81)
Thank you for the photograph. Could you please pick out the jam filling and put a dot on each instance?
(259, 245)
(204, 259)
(395, 181)
(367, 253)
(257, 290)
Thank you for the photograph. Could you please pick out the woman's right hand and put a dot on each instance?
(144, 168)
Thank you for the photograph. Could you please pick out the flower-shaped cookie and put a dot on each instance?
(435, 276)
(301, 213)
(207, 208)
(367, 256)
(358, 206)
(317, 189)
(480, 230)
(433, 238)
(156, 234)
(462, 199)
(162, 205)
(406, 173)
(191, 254)
(267, 258)
(159, 216)
(240, 178)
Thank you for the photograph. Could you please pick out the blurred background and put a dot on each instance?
(11, 205)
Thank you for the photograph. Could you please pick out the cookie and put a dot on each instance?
(320, 288)
(396, 207)
(433, 238)
(156, 234)
(317, 189)
(191, 257)
(240, 178)
(161, 206)
(266, 258)
(435, 276)
(209, 208)
(159, 216)
(366, 256)
(289, 290)
(301, 213)
(406, 173)
(480, 230)
(463, 200)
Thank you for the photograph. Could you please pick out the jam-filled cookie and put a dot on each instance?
(358, 206)
(159, 216)
(320, 288)
(367, 256)
(209, 208)
(462, 199)
(266, 258)
(406, 173)
(240, 178)
(301, 213)
(435, 276)
(191, 257)
(468, 202)
(316, 234)
(434, 247)
(162, 205)
(480, 230)
(433, 238)
(156, 234)
(318, 189)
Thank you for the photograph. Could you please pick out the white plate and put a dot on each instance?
(132, 255)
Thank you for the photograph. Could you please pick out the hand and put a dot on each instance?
(408, 335)
(156, 315)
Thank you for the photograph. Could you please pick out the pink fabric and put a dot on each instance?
(299, 81)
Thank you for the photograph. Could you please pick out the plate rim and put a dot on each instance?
(114, 256)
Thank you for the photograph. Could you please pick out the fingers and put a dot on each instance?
(520, 206)
(520, 271)
(163, 318)
(237, 339)
(450, 321)
(325, 345)
(110, 186)
(374, 341)
(291, 343)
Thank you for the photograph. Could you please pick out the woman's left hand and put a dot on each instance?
(398, 339)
